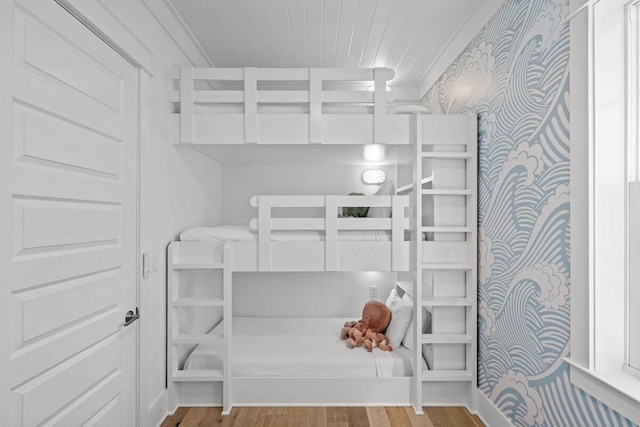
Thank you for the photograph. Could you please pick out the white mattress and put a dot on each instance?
(297, 347)
(241, 233)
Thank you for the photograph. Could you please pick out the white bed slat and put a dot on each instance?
(250, 106)
(186, 105)
(264, 233)
(331, 236)
(315, 105)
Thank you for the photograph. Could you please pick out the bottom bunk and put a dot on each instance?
(297, 347)
(303, 362)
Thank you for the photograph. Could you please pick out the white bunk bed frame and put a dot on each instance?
(446, 141)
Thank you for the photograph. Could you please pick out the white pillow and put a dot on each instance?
(401, 314)
(408, 340)
(386, 189)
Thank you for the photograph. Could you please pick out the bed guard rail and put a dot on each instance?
(330, 223)
(319, 86)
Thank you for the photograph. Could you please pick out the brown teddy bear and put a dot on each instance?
(370, 329)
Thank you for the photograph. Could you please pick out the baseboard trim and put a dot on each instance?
(489, 413)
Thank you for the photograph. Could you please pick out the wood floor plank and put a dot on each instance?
(417, 420)
(459, 417)
(235, 418)
(197, 417)
(319, 416)
(337, 415)
(476, 419)
(397, 416)
(438, 417)
(254, 417)
(378, 416)
(176, 418)
(357, 417)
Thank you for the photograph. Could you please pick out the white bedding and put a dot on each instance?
(241, 233)
(297, 347)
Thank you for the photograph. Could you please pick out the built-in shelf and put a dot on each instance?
(447, 339)
(197, 376)
(409, 187)
(203, 266)
(198, 302)
(447, 375)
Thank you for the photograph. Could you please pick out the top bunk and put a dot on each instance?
(288, 106)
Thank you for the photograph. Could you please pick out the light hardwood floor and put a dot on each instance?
(391, 416)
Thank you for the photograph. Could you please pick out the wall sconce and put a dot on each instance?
(374, 152)
(374, 176)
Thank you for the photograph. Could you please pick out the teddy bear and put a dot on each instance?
(369, 330)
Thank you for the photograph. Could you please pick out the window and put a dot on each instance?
(605, 204)
(632, 361)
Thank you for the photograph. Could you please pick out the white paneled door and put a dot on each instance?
(68, 190)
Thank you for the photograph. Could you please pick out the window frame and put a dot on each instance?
(600, 132)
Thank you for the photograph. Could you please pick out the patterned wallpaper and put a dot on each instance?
(515, 76)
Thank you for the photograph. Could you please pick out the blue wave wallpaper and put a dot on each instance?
(515, 76)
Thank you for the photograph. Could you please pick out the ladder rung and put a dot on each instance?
(196, 339)
(446, 155)
(198, 302)
(427, 266)
(446, 192)
(447, 339)
(203, 266)
(436, 229)
(447, 375)
(197, 375)
(447, 302)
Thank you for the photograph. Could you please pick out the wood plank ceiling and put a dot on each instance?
(405, 35)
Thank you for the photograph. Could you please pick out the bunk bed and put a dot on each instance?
(439, 260)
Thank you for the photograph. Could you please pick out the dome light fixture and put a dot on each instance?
(374, 176)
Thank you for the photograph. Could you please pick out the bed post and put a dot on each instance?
(416, 264)
(226, 315)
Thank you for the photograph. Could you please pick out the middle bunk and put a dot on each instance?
(325, 243)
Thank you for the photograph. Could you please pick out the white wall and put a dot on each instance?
(323, 294)
(179, 187)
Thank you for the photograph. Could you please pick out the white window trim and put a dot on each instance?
(598, 111)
